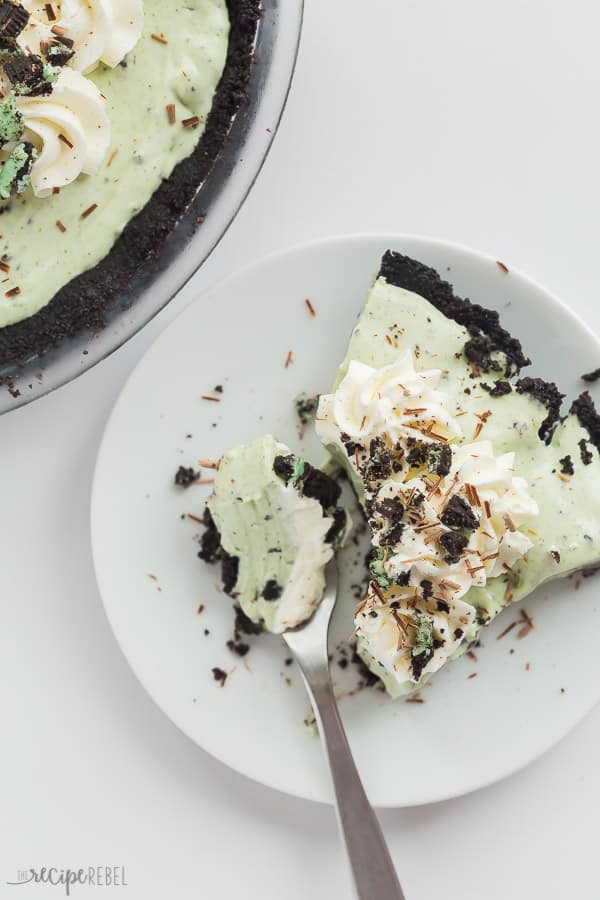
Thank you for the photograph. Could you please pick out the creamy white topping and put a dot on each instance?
(394, 401)
(306, 527)
(480, 504)
(479, 490)
(437, 536)
(387, 626)
(102, 30)
(70, 128)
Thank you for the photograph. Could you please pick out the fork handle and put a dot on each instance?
(370, 862)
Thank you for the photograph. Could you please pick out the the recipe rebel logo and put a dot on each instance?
(67, 879)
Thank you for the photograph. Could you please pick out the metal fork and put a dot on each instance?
(370, 862)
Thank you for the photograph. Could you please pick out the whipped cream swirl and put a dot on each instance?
(102, 30)
(394, 402)
(70, 129)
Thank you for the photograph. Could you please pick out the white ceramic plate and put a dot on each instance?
(470, 731)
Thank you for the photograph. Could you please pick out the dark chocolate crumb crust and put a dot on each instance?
(83, 303)
(585, 411)
(549, 395)
(483, 325)
(185, 476)
(591, 377)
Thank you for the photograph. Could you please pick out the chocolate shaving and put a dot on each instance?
(87, 212)
(506, 631)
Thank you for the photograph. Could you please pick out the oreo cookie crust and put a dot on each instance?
(583, 407)
(487, 335)
(82, 304)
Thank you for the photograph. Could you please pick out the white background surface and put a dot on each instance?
(471, 121)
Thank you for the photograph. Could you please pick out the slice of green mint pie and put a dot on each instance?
(274, 521)
(475, 489)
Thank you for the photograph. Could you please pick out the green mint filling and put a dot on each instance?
(298, 471)
(424, 635)
(11, 121)
(15, 170)
(378, 570)
(51, 73)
